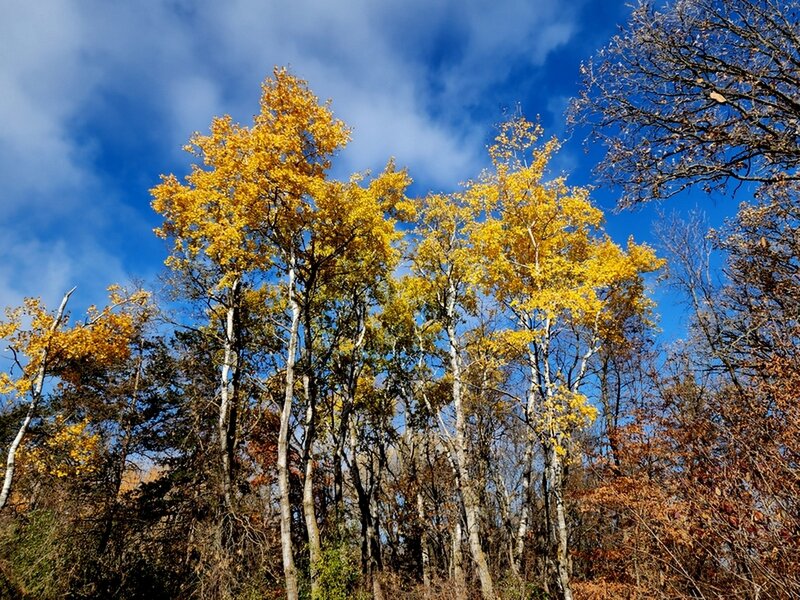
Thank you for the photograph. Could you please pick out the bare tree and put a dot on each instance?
(701, 92)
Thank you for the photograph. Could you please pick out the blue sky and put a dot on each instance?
(97, 98)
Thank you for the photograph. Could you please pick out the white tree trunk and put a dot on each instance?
(524, 517)
(289, 570)
(412, 466)
(36, 394)
(426, 566)
(309, 508)
(459, 582)
(555, 470)
(228, 397)
(527, 474)
(469, 496)
(375, 561)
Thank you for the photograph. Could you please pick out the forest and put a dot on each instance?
(348, 391)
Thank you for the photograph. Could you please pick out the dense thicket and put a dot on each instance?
(354, 393)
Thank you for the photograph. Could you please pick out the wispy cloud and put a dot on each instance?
(98, 97)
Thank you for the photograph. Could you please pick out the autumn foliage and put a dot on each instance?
(354, 393)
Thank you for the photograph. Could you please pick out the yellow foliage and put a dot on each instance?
(70, 451)
(103, 338)
(442, 256)
(351, 229)
(537, 246)
(249, 192)
(545, 256)
(541, 241)
(563, 412)
(262, 195)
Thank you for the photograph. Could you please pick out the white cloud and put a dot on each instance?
(42, 78)
(191, 100)
(48, 268)
(79, 77)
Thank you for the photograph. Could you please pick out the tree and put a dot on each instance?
(243, 216)
(700, 92)
(703, 493)
(45, 347)
(344, 255)
(566, 287)
(444, 268)
(763, 248)
(264, 220)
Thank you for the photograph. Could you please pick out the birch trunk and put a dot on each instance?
(459, 581)
(309, 507)
(504, 505)
(426, 567)
(469, 496)
(423, 520)
(289, 570)
(527, 474)
(226, 425)
(376, 561)
(524, 517)
(36, 394)
(555, 470)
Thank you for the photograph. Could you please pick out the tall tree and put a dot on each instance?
(565, 285)
(242, 216)
(263, 211)
(344, 256)
(43, 345)
(444, 267)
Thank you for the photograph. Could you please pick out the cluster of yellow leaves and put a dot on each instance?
(443, 257)
(485, 374)
(538, 247)
(541, 243)
(544, 255)
(262, 195)
(103, 338)
(253, 180)
(514, 342)
(561, 413)
(70, 451)
(351, 226)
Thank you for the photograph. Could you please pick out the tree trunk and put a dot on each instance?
(424, 541)
(459, 581)
(36, 394)
(119, 468)
(527, 473)
(365, 486)
(290, 573)
(229, 379)
(424, 547)
(340, 436)
(348, 404)
(373, 533)
(469, 496)
(309, 507)
(524, 516)
(555, 469)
